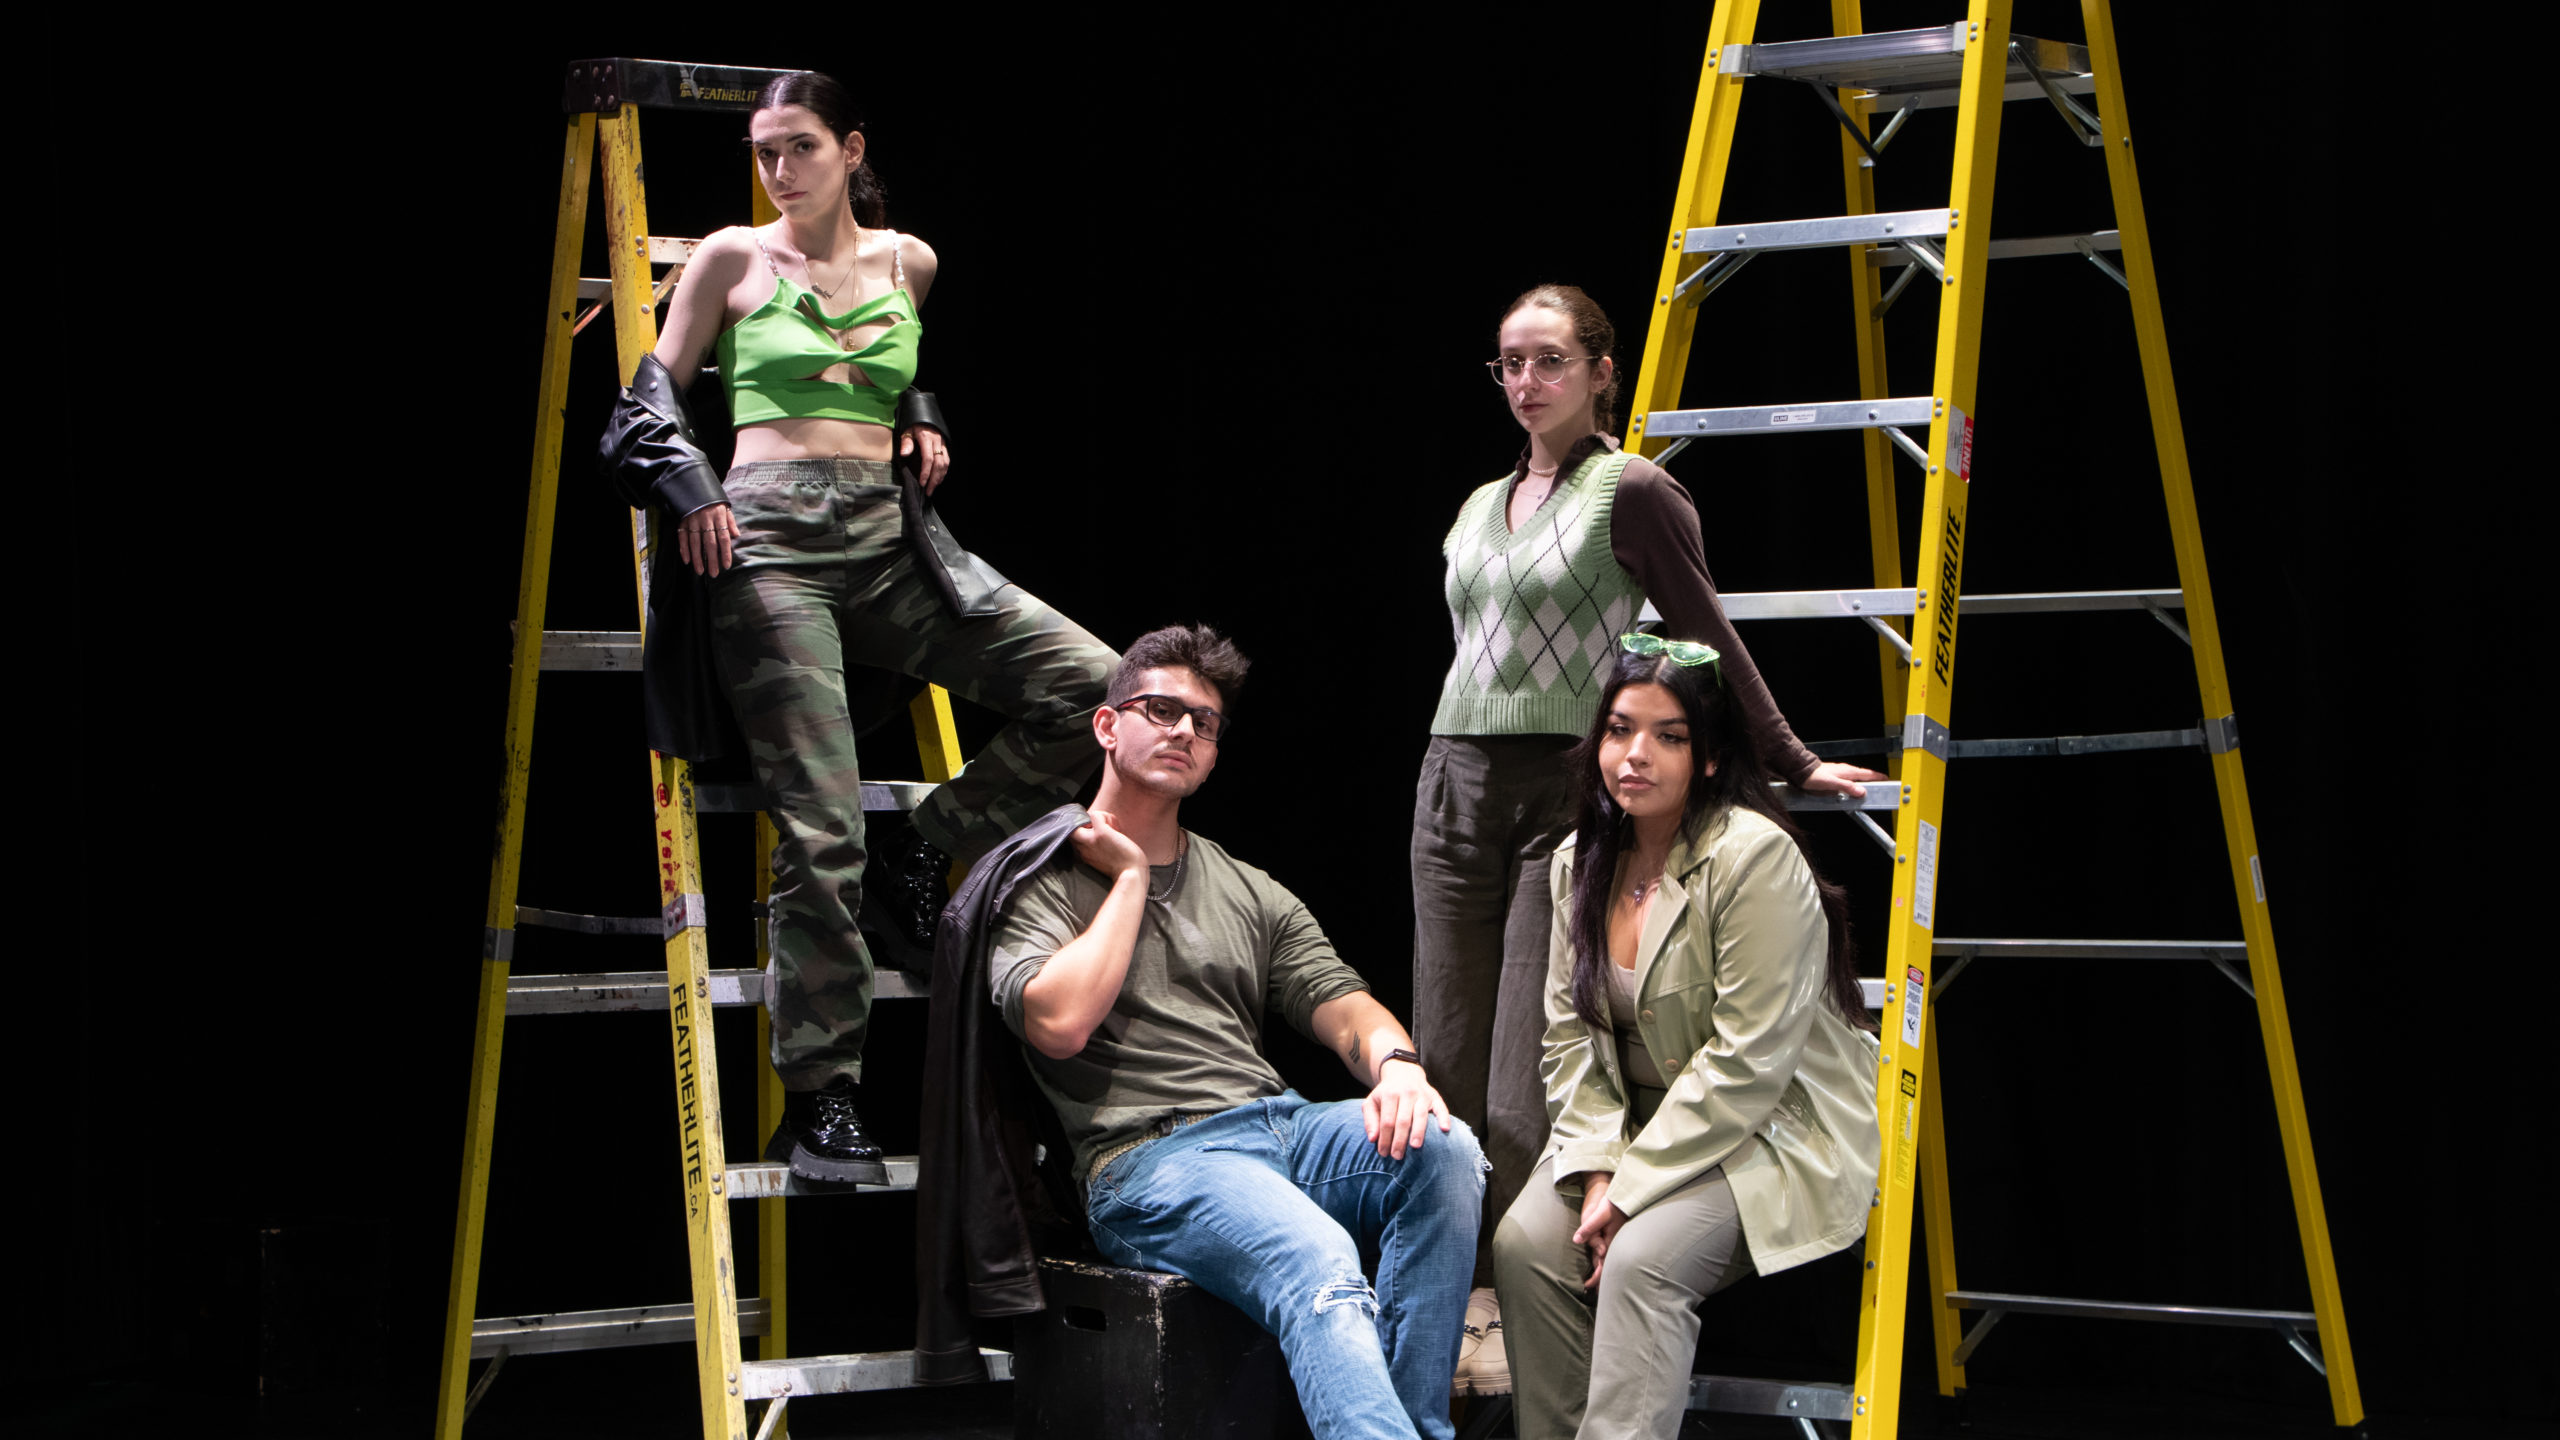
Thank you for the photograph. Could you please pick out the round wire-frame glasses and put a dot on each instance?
(1548, 368)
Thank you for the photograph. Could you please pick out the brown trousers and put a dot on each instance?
(1487, 815)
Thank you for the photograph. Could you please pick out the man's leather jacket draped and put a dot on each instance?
(980, 1199)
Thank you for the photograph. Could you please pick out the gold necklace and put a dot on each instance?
(809, 268)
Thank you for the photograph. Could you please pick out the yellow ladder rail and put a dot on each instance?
(702, 1150)
(2240, 835)
(1918, 685)
(462, 1289)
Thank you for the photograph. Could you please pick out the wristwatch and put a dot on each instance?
(1399, 1055)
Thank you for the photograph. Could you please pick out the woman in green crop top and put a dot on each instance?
(808, 563)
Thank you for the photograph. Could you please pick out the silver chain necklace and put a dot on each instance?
(1181, 856)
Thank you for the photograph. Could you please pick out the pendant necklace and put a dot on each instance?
(809, 268)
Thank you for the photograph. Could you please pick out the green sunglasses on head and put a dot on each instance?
(1682, 652)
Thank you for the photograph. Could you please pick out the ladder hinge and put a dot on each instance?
(685, 912)
(2223, 735)
(1919, 732)
(497, 944)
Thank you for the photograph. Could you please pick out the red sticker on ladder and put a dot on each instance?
(1962, 446)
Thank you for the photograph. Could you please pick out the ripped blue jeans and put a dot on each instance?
(1273, 1207)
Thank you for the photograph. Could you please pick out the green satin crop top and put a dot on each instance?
(766, 359)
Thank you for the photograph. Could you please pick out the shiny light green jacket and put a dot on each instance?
(1765, 1077)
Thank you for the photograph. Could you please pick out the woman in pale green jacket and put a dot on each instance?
(1709, 1073)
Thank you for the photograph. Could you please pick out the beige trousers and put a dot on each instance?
(1642, 1324)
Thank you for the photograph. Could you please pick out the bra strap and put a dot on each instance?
(767, 254)
(897, 262)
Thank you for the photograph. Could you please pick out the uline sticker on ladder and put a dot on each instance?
(1924, 878)
(1792, 417)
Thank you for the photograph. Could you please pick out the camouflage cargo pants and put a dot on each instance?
(825, 578)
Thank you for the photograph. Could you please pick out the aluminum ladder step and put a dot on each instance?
(845, 1374)
(1886, 233)
(877, 795)
(2237, 950)
(1881, 795)
(2023, 747)
(601, 1329)
(771, 1179)
(1887, 229)
(1921, 69)
(591, 650)
(1789, 419)
(1786, 1399)
(628, 990)
(1857, 604)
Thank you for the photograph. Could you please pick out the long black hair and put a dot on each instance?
(1720, 730)
(825, 97)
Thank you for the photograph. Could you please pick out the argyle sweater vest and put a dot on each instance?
(1538, 611)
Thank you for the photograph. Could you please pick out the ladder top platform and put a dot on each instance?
(1904, 64)
(605, 86)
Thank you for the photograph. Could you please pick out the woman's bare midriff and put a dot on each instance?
(812, 439)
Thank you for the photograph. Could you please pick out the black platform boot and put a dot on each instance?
(830, 1144)
(910, 879)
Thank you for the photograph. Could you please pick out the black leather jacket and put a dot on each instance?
(982, 1207)
(653, 456)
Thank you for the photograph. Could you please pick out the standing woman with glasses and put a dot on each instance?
(1546, 567)
(811, 557)
(1706, 1058)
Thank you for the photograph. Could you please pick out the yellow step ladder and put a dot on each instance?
(607, 96)
(1975, 66)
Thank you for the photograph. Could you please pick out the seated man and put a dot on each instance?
(1139, 978)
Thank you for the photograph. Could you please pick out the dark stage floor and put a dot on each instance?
(550, 1410)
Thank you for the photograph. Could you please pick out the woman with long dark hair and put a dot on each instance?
(814, 554)
(1708, 1067)
(1546, 567)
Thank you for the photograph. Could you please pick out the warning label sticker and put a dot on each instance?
(1793, 417)
(1914, 1001)
(1924, 879)
(1906, 1123)
(1960, 443)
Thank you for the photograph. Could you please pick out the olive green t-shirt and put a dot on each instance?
(1184, 1038)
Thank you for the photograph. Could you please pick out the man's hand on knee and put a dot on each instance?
(1399, 1109)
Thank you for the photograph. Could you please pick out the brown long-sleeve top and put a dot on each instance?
(1654, 533)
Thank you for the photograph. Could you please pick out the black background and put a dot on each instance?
(1213, 294)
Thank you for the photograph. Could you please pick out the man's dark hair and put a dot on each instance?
(1196, 648)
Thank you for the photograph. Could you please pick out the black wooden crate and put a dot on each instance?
(1141, 1355)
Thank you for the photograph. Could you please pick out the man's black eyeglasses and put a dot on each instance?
(1166, 711)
